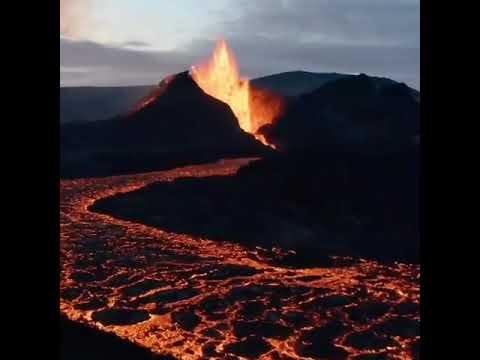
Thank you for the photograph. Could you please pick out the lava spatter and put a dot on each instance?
(195, 298)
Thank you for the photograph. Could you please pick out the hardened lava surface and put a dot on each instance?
(193, 298)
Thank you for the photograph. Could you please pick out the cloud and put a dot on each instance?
(135, 43)
(110, 65)
(354, 22)
(74, 17)
(376, 37)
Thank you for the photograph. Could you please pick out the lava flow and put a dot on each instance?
(196, 298)
(220, 77)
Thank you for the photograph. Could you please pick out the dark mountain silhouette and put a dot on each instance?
(176, 124)
(350, 113)
(82, 104)
(294, 83)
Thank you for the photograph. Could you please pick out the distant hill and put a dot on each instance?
(294, 83)
(81, 104)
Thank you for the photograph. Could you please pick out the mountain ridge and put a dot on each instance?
(91, 103)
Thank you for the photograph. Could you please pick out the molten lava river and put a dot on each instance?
(198, 299)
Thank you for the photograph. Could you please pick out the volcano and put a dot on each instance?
(310, 251)
(176, 123)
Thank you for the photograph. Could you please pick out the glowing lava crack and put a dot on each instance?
(195, 298)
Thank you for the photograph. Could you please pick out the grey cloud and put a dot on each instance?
(75, 17)
(109, 65)
(135, 44)
(377, 37)
(343, 21)
(259, 56)
(91, 54)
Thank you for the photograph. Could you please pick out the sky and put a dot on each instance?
(138, 42)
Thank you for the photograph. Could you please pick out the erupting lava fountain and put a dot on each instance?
(220, 78)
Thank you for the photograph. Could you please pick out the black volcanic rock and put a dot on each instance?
(267, 329)
(369, 340)
(319, 342)
(364, 202)
(401, 326)
(251, 348)
(176, 124)
(120, 316)
(356, 112)
(186, 319)
(317, 205)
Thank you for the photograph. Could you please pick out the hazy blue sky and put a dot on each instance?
(127, 42)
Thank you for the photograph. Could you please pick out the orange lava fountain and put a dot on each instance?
(220, 77)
